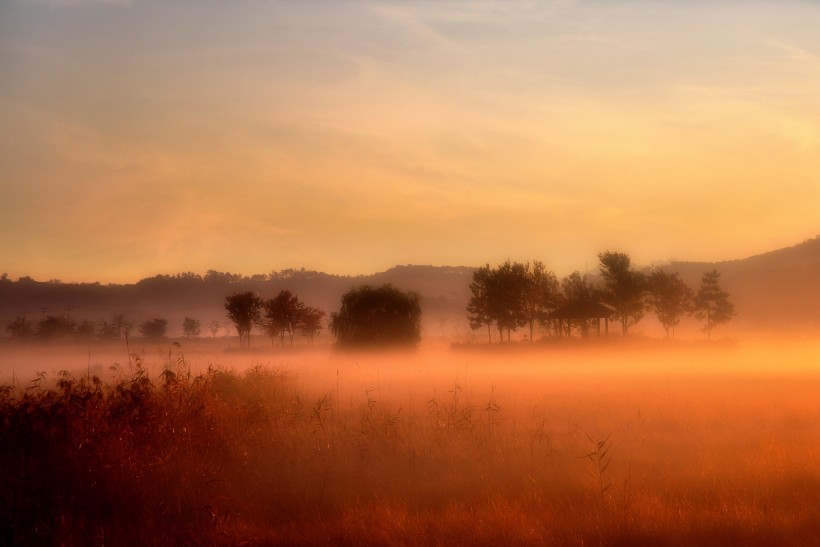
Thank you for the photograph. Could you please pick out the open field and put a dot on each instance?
(581, 445)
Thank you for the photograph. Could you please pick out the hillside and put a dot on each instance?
(775, 290)
(443, 292)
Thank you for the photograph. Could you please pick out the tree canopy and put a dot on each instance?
(244, 310)
(512, 295)
(623, 288)
(154, 329)
(377, 317)
(669, 298)
(711, 303)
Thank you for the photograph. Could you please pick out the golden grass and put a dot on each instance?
(418, 449)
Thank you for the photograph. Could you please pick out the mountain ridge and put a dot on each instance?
(782, 284)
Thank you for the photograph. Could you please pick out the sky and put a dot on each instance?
(147, 136)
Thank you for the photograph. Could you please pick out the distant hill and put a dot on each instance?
(775, 290)
(443, 292)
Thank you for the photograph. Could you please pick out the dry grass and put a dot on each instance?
(401, 450)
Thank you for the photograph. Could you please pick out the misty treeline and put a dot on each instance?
(369, 316)
(24, 302)
(63, 328)
(515, 295)
(279, 316)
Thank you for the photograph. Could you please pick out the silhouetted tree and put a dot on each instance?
(122, 325)
(54, 326)
(377, 317)
(191, 327)
(578, 292)
(540, 294)
(282, 314)
(511, 296)
(478, 308)
(509, 281)
(107, 331)
(244, 310)
(623, 288)
(310, 322)
(712, 303)
(154, 329)
(20, 329)
(669, 298)
(214, 327)
(85, 330)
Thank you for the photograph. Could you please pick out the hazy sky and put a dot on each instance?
(146, 136)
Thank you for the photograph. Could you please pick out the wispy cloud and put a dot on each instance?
(73, 3)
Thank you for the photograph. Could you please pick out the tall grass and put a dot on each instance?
(261, 457)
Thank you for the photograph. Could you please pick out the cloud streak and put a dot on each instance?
(351, 136)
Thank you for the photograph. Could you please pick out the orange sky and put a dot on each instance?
(143, 137)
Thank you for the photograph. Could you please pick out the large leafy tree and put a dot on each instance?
(711, 303)
(512, 295)
(154, 329)
(578, 293)
(244, 310)
(540, 294)
(55, 326)
(20, 328)
(509, 282)
(377, 317)
(191, 327)
(669, 298)
(311, 322)
(623, 288)
(478, 308)
(283, 313)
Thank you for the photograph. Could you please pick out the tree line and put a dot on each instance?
(280, 316)
(369, 316)
(506, 298)
(515, 295)
(61, 327)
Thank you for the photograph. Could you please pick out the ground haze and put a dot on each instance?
(610, 443)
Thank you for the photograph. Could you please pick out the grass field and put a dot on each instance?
(610, 445)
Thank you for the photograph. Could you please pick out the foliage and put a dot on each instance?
(191, 327)
(244, 310)
(214, 327)
(145, 456)
(154, 329)
(310, 322)
(623, 288)
(712, 303)
(283, 314)
(540, 294)
(578, 292)
(377, 317)
(54, 327)
(512, 295)
(85, 330)
(20, 329)
(122, 325)
(478, 308)
(669, 298)
(507, 303)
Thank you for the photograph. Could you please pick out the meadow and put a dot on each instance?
(583, 444)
